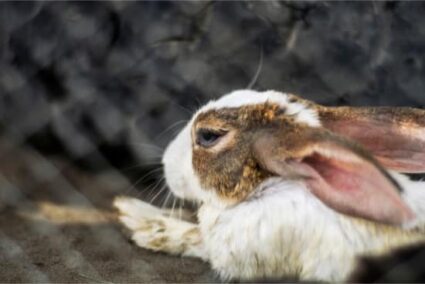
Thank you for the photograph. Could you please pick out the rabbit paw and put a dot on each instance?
(152, 228)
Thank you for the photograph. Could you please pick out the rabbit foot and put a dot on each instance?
(152, 228)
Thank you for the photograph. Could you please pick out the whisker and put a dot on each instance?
(175, 124)
(147, 145)
(180, 209)
(152, 188)
(198, 102)
(172, 208)
(188, 111)
(141, 166)
(166, 199)
(139, 180)
(258, 71)
(158, 193)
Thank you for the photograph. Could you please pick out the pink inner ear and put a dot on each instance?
(397, 148)
(354, 188)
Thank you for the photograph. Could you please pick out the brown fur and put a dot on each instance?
(295, 99)
(192, 236)
(158, 243)
(395, 115)
(233, 170)
(395, 136)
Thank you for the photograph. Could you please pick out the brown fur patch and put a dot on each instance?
(232, 170)
(158, 243)
(192, 236)
(395, 115)
(194, 232)
(150, 224)
(230, 167)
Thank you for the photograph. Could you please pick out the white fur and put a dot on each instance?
(280, 230)
(285, 230)
(178, 169)
(249, 97)
(152, 228)
(177, 159)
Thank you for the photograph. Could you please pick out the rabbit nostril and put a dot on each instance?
(208, 138)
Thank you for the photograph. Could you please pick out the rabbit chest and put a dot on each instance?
(282, 231)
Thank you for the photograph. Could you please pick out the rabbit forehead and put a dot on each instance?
(301, 110)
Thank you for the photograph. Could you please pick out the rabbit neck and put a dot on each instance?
(284, 230)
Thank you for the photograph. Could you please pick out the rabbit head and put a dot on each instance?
(179, 157)
(233, 145)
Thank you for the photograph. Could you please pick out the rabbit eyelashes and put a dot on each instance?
(311, 187)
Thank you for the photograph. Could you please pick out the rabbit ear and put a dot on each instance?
(395, 136)
(338, 172)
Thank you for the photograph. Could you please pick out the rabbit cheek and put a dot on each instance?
(232, 180)
(229, 167)
(252, 175)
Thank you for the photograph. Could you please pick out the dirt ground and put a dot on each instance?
(57, 225)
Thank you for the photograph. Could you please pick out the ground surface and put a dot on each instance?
(57, 224)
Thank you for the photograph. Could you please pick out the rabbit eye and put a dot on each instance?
(208, 138)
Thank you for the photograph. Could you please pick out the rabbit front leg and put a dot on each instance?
(152, 228)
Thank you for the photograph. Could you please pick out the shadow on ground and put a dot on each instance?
(57, 225)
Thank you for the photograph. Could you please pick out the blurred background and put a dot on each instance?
(91, 92)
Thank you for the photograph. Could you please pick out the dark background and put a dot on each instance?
(104, 86)
(81, 77)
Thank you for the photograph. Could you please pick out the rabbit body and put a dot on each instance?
(284, 230)
(280, 231)
(280, 227)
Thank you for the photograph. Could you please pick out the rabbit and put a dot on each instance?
(288, 188)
